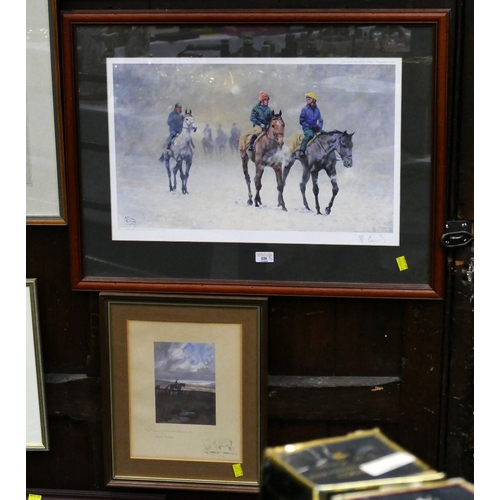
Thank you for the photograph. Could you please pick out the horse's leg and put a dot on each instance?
(280, 185)
(314, 176)
(188, 161)
(167, 166)
(259, 170)
(306, 174)
(332, 174)
(244, 164)
(176, 169)
(287, 168)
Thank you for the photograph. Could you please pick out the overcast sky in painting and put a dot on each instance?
(356, 95)
(184, 361)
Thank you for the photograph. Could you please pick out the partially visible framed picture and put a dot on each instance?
(45, 179)
(360, 213)
(37, 437)
(184, 390)
(46, 494)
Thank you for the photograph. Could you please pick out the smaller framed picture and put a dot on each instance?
(36, 414)
(183, 390)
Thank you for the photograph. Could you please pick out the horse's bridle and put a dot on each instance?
(334, 149)
(189, 126)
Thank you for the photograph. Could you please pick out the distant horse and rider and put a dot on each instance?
(234, 138)
(208, 146)
(180, 148)
(207, 141)
(175, 388)
(220, 141)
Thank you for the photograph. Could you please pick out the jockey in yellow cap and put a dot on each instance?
(310, 120)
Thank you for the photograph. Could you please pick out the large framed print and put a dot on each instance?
(45, 180)
(360, 214)
(184, 390)
(37, 435)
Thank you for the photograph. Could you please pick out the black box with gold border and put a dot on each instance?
(450, 489)
(361, 460)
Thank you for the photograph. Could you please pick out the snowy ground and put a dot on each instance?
(217, 198)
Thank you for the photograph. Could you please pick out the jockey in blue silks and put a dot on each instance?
(310, 120)
(175, 122)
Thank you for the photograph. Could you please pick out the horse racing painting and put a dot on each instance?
(176, 177)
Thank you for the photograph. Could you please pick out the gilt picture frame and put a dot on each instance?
(184, 390)
(37, 434)
(380, 79)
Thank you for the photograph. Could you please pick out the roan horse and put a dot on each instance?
(267, 151)
(181, 150)
(320, 155)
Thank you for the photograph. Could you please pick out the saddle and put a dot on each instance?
(247, 142)
(295, 141)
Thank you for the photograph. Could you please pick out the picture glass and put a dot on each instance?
(199, 212)
(178, 373)
(362, 96)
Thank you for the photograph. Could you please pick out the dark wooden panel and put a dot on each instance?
(459, 459)
(301, 336)
(73, 396)
(421, 380)
(282, 432)
(349, 399)
(64, 318)
(368, 330)
(68, 464)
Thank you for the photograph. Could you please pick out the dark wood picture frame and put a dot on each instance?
(206, 430)
(412, 269)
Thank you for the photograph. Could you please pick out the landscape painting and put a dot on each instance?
(185, 389)
(206, 197)
(185, 383)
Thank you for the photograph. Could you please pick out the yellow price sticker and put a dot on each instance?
(238, 470)
(402, 264)
(34, 497)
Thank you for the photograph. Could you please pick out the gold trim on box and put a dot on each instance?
(274, 456)
(456, 481)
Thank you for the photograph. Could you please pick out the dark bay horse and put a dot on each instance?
(267, 151)
(182, 151)
(321, 155)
